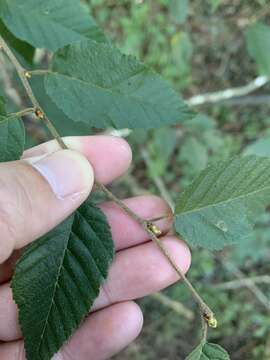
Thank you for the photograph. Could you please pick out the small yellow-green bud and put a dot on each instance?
(155, 230)
(27, 75)
(212, 322)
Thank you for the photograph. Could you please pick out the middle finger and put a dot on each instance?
(125, 231)
(135, 272)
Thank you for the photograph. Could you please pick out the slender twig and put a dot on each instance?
(24, 75)
(250, 100)
(152, 230)
(204, 331)
(205, 310)
(251, 286)
(13, 94)
(122, 205)
(38, 72)
(22, 112)
(243, 282)
(207, 313)
(226, 94)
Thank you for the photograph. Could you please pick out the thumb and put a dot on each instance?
(36, 194)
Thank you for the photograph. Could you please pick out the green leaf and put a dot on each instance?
(2, 106)
(182, 50)
(199, 124)
(95, 83)
(259, 147)
(215, 4)
(258, 43)
(58, 278)
(179, 10)
(257, 247)
(12, 138)
(193, 154)
(12, 135)
(20, 47)
(161, 148)
(208, 351)
(57, 117)
(50, 24)
(219, 206)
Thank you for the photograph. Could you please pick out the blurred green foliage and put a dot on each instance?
(258, 42)
(140, 28)
(201, 47)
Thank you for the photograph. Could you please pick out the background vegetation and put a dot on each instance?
(200, 47)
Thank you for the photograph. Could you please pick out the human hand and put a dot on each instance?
(31, 204)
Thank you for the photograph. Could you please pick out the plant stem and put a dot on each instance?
(152, 230)
(120, 203)
(24, 75)
(22, 112)
(230, 93)
(207, 313)
(204, 330)
(38, 72)
(205, 310)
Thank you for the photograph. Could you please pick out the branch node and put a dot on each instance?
(210, 320)
(27, 74)
(154, 228)
(39, 113)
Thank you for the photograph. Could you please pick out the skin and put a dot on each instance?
(139, 268)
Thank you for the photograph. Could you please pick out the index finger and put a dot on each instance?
(110, 156)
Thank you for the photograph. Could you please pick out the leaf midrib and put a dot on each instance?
(54, 291)
(224, 201)
(136, 98)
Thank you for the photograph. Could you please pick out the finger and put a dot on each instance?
(110, 156)
(135, 272)
(142, 270)
(102, 335)
(126, 231)
(38, 194)
(9, 326)
(13, 350)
